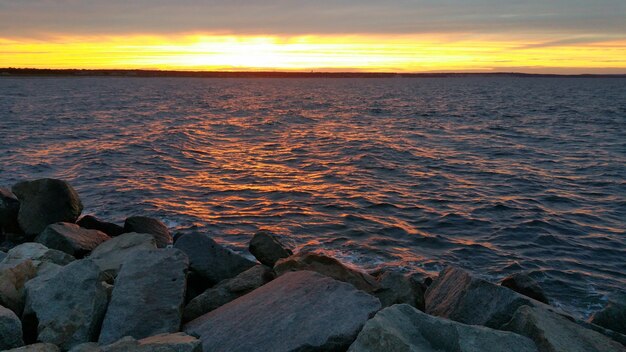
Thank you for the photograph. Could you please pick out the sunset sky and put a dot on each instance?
(548, 36)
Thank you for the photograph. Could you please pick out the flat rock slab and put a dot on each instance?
(37, 253)
(71, 239)
(178, 342)
(299, 311)
(211, 261)
(10, 329)
(44, 202)
(68, 306)
(155, 227)
(110, 255)
(148, 296)
(328, 266)
(404, 328)
(38, 347)
(458, 296)
(555, 333)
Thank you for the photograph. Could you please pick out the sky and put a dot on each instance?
(549, 36)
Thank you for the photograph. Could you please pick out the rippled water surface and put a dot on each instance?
(496, 175)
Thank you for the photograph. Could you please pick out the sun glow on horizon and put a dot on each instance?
(373, 53)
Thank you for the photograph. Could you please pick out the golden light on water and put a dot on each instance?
(375, 53)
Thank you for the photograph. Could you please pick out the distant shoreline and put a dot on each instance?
(26, 72)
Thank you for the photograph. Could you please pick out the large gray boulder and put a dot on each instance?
(44, 202)
(211, 261)
(67, 306)
(525, 285)
(266, 247)
(93, 223)
(38, 347)
(227, 291)
(155, 227)
(37, 253)
(299, 311)
(71, 238)
(110, 255)
(12, 281)
(9, 210)
(178, 342)
(458, 296)
(328, 266)
(398, 288)
(555, 333)
(10, 329)
(404, 328)
(148, 296)
(613, 316)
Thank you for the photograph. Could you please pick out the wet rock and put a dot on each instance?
(613, 316)
(458, 296)
(327, 266)
(397, 288)
(555, 333)
(71, 238)
(68, 306)
(9, 210)
(227, 291)
(404, 328)
(93, 223)
(44, 202)
(178, 342)
(110, 255)
(299, 311)
(267, 248)
(12, 281)
(525, 285)
(212, 262)
(38, 347)
(144, 224)
(148, 296)
(37, 253)
(10, 329)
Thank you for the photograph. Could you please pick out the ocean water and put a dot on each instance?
(496, 175)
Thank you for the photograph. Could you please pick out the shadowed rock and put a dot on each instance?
(44, 202)
(10, 329)
(397, 288)
(267, 248)
(68, 307)
(110, 255)
(299, 311)
(12, 281)
(613, 316)
(148, 296)
(178, 342)
(555, 333)
(38, 347)
(327, 266)
(227, 291)
(71, 238)
(93, 223)
(404, 328)
(144, 224)
(525, 285)
(9, 210)
(211, 261)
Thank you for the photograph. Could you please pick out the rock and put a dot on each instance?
(37, 253)
(38, 347)
(267, 248)
(71, 238)
(110, 255)
(227, 291)
(211, 261)
(10, 329)
(143, 224)
(327, 266)
(178, 342)
(458, 296)
(93, 223)
(12, 281)
(613, 316)
(9, 210)
(555, 333)
(299, 311)
(44, 202)
(68, 307)
(2, 255)
(396, 288)
(525, 285)
(148, 296)
(404, 328)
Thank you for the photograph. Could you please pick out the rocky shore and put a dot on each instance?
(82, 284)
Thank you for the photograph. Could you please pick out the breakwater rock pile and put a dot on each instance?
(84, 285)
